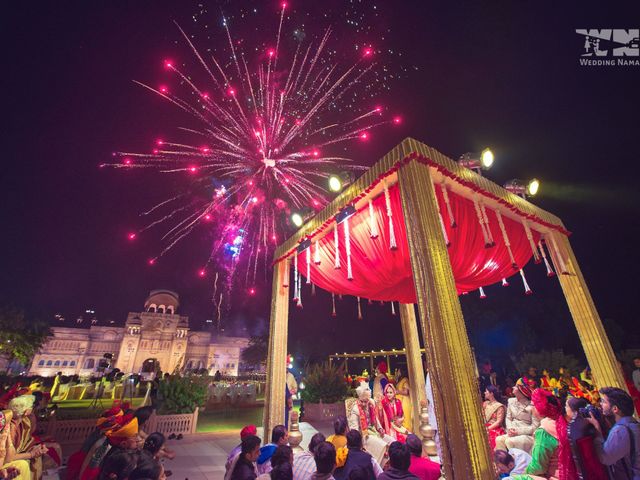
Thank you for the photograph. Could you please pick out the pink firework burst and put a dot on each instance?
(264, 134)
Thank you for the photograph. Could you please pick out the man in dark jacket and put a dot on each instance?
(245, 469)
(399, 459)
(356, 458)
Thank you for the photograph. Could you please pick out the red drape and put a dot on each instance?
(380, 273)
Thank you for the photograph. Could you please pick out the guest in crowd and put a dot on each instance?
(398, 431)
(493, 410)
(244, 468)
(143, 414)
(147, 468)
(119, 465)
(551, 455)
(422, 467)
(340, 428)
(235, 453)
(399, 461)
(279, 436)
(16, 465)
(581, 438)
(379, 381)
(520, 421)
(357, 457)
(621, 449)
(325, 458)
(513, 462)
(404, 394)
(304, 463)
(633, 391)
(281, 464)
(636, 373)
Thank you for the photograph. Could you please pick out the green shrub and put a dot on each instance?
(325, 382)
(181, 395)
(551, 361)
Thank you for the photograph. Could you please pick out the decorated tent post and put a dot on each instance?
(593, 337)
(414, 360)
(463, 437)
(274, 403)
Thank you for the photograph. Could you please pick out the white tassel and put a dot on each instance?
(482, 294)
(359, 310)
(487, 242)
(299, 304)
(316, 256)
(505, 283)
(444, 230)
(295, 277)
(534, 250)
(372, 221)
(392, 236)
(308, 258)
(335, 244)
(550, 272)
(393, 309)
(485, 217)
(347, 246)
(333, 302)
(527, 290)
(445, 195)
(505, 237)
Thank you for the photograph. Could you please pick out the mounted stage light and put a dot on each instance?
(345, 213)
(298, 218)
(477, 161)
(338, 181)
(523, 189)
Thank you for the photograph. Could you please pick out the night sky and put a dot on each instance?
(499, 74)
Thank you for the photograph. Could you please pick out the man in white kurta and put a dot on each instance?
(520, 421)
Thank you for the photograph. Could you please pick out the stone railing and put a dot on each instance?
(75, 431)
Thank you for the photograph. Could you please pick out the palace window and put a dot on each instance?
(90, 363)
(57, 364)
(65, 363)
(49, 363)
(41, 363)
(72, 363)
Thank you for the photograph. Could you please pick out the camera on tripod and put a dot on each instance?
(105, 362)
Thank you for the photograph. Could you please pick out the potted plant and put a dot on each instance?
(324, 393)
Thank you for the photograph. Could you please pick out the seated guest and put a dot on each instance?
(520, 421)
(340, 427)
(494, 412)
(244, 468)
(398, 430)
(119, 465)
(148, 468)
(281, 462)
(304, 463)
(279, 436)
(551, 454)
(155, 444)
(512, 462)
(581, 436)
(399, 461)
(143, 414)
(356, 457)
(422, 467)
(325, 457)
(124, 436)
(16, 465)
(245, 432)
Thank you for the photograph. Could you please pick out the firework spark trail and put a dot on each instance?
(262, 131)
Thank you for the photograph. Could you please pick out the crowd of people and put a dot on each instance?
(562, 429)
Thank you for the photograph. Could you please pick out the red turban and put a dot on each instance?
(248, 430)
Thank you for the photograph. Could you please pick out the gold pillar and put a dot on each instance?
(274, 400)
(593, 337)
(414, 360)
(465, 447)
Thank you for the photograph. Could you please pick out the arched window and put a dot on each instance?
(57, 364)
(41, 363)
(90, 363)
(65, 363)
(49, 363)
(190, 365)
(170, 309)
(72, 363)
(161, 309)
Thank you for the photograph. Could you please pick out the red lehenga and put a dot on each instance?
(493, 414)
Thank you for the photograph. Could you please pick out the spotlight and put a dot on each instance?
(296, 218)
(477, 161)
(523, 189)
(335, 184)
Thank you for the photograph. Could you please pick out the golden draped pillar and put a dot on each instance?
(274, 403)
(593, 337)
(465, 447)
(415, 369)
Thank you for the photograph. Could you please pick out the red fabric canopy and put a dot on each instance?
(380, 273)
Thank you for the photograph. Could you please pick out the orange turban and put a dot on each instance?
(127, 428)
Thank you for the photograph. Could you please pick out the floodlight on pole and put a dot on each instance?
(477, 161)
(528, 189)
(296, 219)
(338, 181)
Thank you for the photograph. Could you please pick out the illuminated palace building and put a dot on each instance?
(158, 334)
